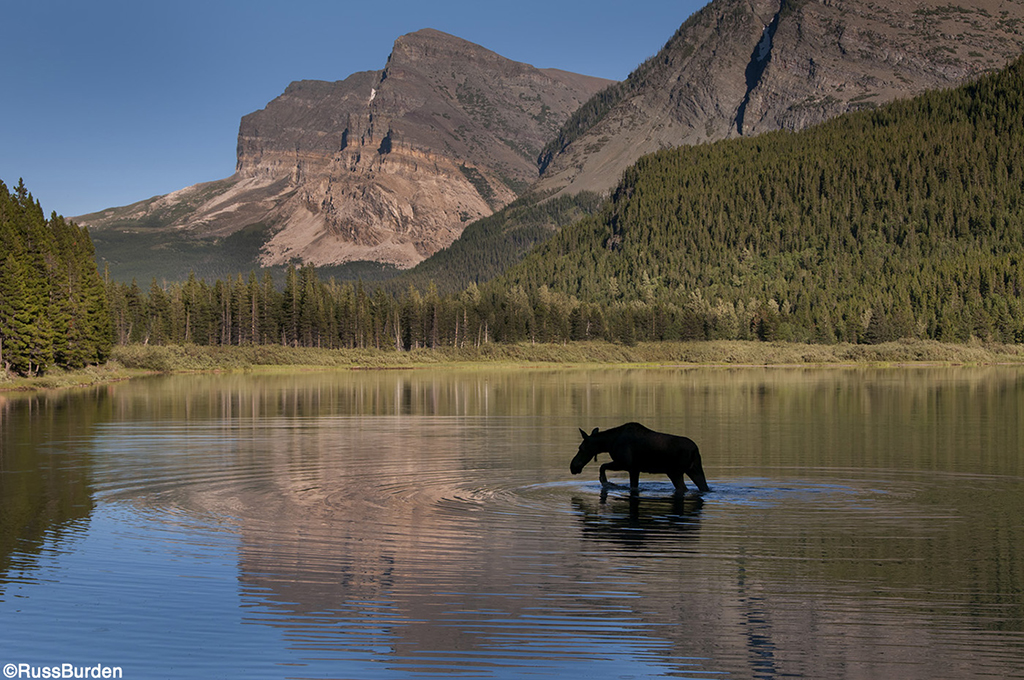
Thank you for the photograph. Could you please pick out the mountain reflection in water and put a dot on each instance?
(398, 524)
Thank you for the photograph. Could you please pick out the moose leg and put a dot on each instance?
(696, 473)
(634, 480)
(603, 476)
(613, 466)
(678, 481)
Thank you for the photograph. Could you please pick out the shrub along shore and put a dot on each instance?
(136, 360)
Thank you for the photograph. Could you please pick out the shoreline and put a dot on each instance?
(133, 361)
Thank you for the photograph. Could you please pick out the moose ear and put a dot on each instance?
(594, 432)
(583, 433)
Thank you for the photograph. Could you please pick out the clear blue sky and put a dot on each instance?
(107, 102)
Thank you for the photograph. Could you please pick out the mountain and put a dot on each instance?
(386, 166)
(735, 69)
(742, 67)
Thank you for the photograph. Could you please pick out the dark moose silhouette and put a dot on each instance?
(635, 449)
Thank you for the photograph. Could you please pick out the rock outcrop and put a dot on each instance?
(742, 67)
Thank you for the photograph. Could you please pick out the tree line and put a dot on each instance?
(53, 307)
(313, 312)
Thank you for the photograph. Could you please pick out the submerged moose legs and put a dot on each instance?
(634, 476)
(635, 449)
(696, 473)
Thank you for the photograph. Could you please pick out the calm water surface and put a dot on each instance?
(862, 523)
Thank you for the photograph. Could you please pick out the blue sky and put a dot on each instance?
(107, 102)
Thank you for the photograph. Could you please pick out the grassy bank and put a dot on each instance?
(134, 360)
(196, 358)
(61, 379)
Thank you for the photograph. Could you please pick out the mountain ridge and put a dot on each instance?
(737, 68)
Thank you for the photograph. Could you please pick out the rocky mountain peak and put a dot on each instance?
(431, 46)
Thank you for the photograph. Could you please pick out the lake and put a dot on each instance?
(862, 523)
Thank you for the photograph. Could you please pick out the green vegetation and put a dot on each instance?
(479, 183)
(492, 244)
(171, 255)
(733, 353)
(128, 361)
(53, 311)
(59, 378)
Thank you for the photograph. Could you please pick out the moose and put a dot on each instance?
(635, 448)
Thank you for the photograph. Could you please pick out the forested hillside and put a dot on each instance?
(492, 244)
(53, 310)
(904, 221)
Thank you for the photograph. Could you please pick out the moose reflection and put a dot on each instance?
(635, 449)
(632, 521)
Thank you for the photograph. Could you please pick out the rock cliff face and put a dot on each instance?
(741, 67)
(387, 165)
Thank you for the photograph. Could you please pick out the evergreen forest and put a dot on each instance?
(53, 307)
(490, 245)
